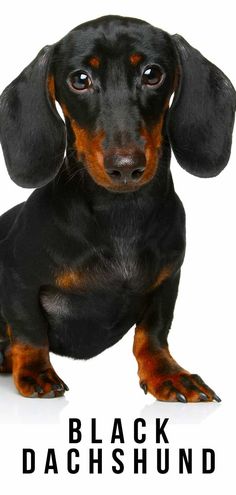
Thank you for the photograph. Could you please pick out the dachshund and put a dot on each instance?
(98, 246)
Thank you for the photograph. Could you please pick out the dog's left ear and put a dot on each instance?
(201, 118)
(32, 133)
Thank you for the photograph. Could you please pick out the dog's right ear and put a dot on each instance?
(32, 133)
(201, 118)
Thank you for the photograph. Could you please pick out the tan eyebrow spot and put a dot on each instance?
(135, 58)
(94, 62)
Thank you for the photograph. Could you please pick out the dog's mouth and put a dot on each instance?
(125, 187)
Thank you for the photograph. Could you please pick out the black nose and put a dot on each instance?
(125, 167)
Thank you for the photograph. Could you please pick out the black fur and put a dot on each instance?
(32, 133)
(118, 240)
(202, 116)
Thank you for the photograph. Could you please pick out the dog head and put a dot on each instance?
(113, 78)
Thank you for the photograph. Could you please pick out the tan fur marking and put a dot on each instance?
(161, 375)
(164, 274)
(155, 364)
(89, 146)
(135, 58)
(33, 373)
(94, 62)
(150, 358)
(153, 141)
(27, 362)
(51, 88)
(68, 279)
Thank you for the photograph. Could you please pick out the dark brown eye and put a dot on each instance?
(79, 81)
(153, 76)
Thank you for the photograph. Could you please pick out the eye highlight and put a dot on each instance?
(153, 76)
(79, 81)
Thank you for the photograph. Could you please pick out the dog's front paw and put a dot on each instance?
(33, 373)
(180, 386)
(162, 376)
(41, 384)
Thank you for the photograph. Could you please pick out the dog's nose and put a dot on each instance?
(125, 167)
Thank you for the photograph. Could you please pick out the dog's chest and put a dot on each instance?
(116, 271)
(105, 287)
(118, 257)
(120, 267)
(123, 263)
(121, 257)
(101, 299)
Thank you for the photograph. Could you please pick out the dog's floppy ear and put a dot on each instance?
(201, 118)
(31, 131)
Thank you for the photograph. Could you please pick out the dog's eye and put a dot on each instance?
(79, 81)
(153, 76)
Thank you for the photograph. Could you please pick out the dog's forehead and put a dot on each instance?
(113, 35)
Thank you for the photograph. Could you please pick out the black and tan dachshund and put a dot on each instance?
(99, 245)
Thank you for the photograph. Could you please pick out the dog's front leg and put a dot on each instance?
(27, 354)
(158, 372)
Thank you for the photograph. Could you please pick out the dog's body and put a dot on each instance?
(110, 265)
(99, 246)
(112, 253)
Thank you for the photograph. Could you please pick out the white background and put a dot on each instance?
(203, 331)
